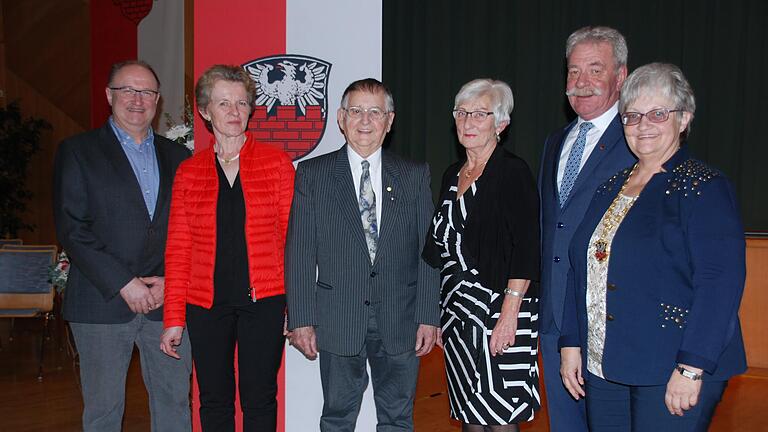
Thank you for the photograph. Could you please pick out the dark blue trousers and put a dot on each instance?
(565, 413)
(623, 408)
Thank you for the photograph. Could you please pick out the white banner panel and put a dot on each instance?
(346, 34)
(161, 44)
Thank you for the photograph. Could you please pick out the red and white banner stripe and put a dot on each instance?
(344, 33)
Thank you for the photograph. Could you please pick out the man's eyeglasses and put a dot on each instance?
(659, 115)
(130, 92)
(374, 113)
(460, 114)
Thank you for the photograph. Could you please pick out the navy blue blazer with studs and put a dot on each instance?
(675, 277)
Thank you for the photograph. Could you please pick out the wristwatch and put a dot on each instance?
(691, 375)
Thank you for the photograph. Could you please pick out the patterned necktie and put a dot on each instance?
(574, 162)
(368, 210)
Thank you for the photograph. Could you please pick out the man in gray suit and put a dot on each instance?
(112, 193)
(356, 286)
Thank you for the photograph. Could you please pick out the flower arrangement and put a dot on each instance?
(60, 271)
(184, 132)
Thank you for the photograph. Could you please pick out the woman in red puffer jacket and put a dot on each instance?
(224, 257)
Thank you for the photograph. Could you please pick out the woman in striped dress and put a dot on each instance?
(485, 239)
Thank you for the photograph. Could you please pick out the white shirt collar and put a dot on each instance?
(355, 159)
(601, 122)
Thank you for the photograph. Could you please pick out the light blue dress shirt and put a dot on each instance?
(143, 160)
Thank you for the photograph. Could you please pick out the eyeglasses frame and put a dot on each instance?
(364, 111)
(668, 111)
(141, 93)
(471, 114)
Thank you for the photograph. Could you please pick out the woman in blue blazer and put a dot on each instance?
(651, 333)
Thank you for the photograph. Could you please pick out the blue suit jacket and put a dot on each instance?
(558, 224)
(675, 277)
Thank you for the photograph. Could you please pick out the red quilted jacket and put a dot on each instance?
(266, 175)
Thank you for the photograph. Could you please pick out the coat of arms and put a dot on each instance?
(291, 104)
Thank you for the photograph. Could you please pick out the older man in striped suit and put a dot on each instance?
(356, 286)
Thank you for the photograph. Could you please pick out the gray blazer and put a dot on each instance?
(103, 224)
(330, 281)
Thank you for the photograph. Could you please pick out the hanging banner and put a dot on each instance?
(302, 54)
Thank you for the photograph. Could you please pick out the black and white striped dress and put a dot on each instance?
(482, 389)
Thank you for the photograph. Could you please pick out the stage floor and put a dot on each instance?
(55, 404)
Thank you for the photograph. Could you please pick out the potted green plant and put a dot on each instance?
(19, 140)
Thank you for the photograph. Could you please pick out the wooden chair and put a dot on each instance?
(28, 247)
(25, 289)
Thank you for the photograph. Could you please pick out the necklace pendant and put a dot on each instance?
(601, 250)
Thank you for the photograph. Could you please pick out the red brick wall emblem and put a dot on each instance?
(291, 102)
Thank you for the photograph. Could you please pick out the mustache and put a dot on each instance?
(585, 91)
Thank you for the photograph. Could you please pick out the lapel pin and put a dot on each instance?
(602, 146)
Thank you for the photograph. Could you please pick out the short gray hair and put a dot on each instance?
(600, 34)
(372, 86)
(663, 79)
(501, 96)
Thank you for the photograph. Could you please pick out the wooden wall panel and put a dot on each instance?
(40, 174)
(754, 305)
(47, 44)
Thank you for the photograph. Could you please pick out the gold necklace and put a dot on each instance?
(611, 220)
(227, 161)
(468, 172)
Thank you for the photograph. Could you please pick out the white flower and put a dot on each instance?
(178, 131)
(182, 133)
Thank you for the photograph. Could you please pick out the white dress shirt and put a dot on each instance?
(374, 160)
(601, 124)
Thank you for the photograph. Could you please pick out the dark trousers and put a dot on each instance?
(345, 378)
(565, 413)
(623, 408)
(257, 330)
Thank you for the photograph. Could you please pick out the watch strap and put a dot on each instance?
(691, 375)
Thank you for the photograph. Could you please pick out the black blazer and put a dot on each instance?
(502, 231)
(103, 224)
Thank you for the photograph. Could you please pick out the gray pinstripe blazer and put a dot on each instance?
(325, 238)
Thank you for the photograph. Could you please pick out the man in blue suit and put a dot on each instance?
(576, 159)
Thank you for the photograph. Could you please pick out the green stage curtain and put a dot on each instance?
(431, 48)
